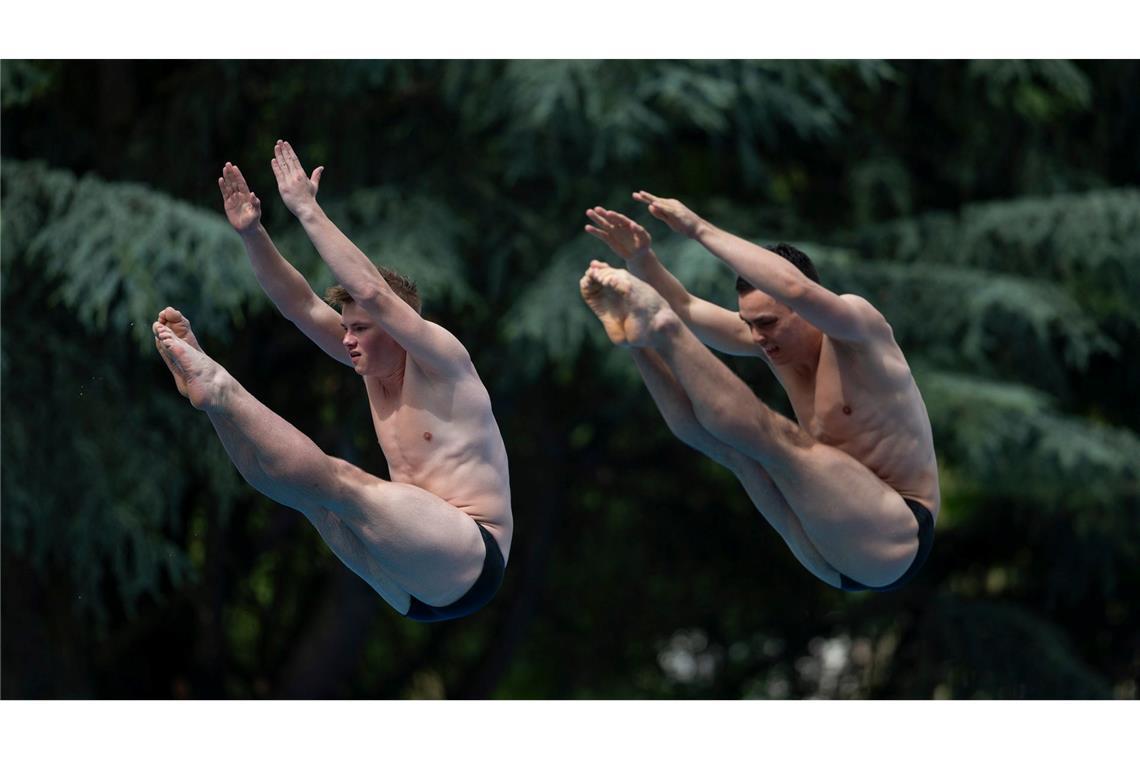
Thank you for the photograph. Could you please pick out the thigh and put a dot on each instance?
(770, 502)
(860, 525)
(431, 548)
(350, 550)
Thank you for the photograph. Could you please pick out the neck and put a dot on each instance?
(802, 367)
(391, 375)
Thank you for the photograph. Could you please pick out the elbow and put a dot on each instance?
(717, 418)
(796, 290)
(371, 294)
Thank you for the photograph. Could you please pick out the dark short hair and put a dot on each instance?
(792, 254)
(403, 286)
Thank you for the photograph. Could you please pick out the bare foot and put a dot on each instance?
(180, 326)
(198, 377)
(625, 305)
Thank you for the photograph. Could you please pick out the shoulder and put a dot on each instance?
(872, 325)
(859, 304)
(440, 352)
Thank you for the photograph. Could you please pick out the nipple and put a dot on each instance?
(846, 409)
(427, 436)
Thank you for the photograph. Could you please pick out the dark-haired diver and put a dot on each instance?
(853, 487)
(433, 541)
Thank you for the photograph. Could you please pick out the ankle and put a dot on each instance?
(665, 324)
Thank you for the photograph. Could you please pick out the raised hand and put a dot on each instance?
(624, 236)
(673, 213)
(243, 208)
(298, 191)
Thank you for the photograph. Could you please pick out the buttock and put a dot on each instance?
(480, 593)
(925, 541)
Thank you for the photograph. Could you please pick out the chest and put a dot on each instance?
(846, 398)
(411, 422)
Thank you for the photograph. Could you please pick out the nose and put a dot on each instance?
(348, 339)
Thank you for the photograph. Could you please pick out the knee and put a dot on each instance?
(344, 479)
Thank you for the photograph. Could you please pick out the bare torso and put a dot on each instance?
(440, 434)
(864, 401)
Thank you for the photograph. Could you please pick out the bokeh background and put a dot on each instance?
(991, 209)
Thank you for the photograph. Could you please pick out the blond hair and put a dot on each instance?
(403, 287)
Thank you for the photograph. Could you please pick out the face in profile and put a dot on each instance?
(369, 347)
(780, 332)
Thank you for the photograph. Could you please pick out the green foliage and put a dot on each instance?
(1036, 90)
(103, 482)
(964, 317)
(115, 255)
(23, 82)
(416, 235)
(1015, 445)
(1088, 243)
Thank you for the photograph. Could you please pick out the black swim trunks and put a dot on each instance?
(925, 541)
(485, 587)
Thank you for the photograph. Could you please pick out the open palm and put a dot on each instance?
(624, 236)
(243, 208)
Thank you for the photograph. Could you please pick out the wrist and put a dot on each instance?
(701, 231)
(308, 212)
(642, 261)
(252, 231)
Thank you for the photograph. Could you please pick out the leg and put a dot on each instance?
(860, 525)
(677, 410)
(400, 538)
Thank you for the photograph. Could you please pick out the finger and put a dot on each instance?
(636, 228)
(618, 219)
(291, 158)
(316, 178)
(278, 172)
(255, 201)
(238, 179)
(224, 188)
(644, 197)
(596, 217)
(599, 234)
(282, 162)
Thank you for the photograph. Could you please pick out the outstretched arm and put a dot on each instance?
(845, 318)
(284, 285)
(715, 326)
(428, 344)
